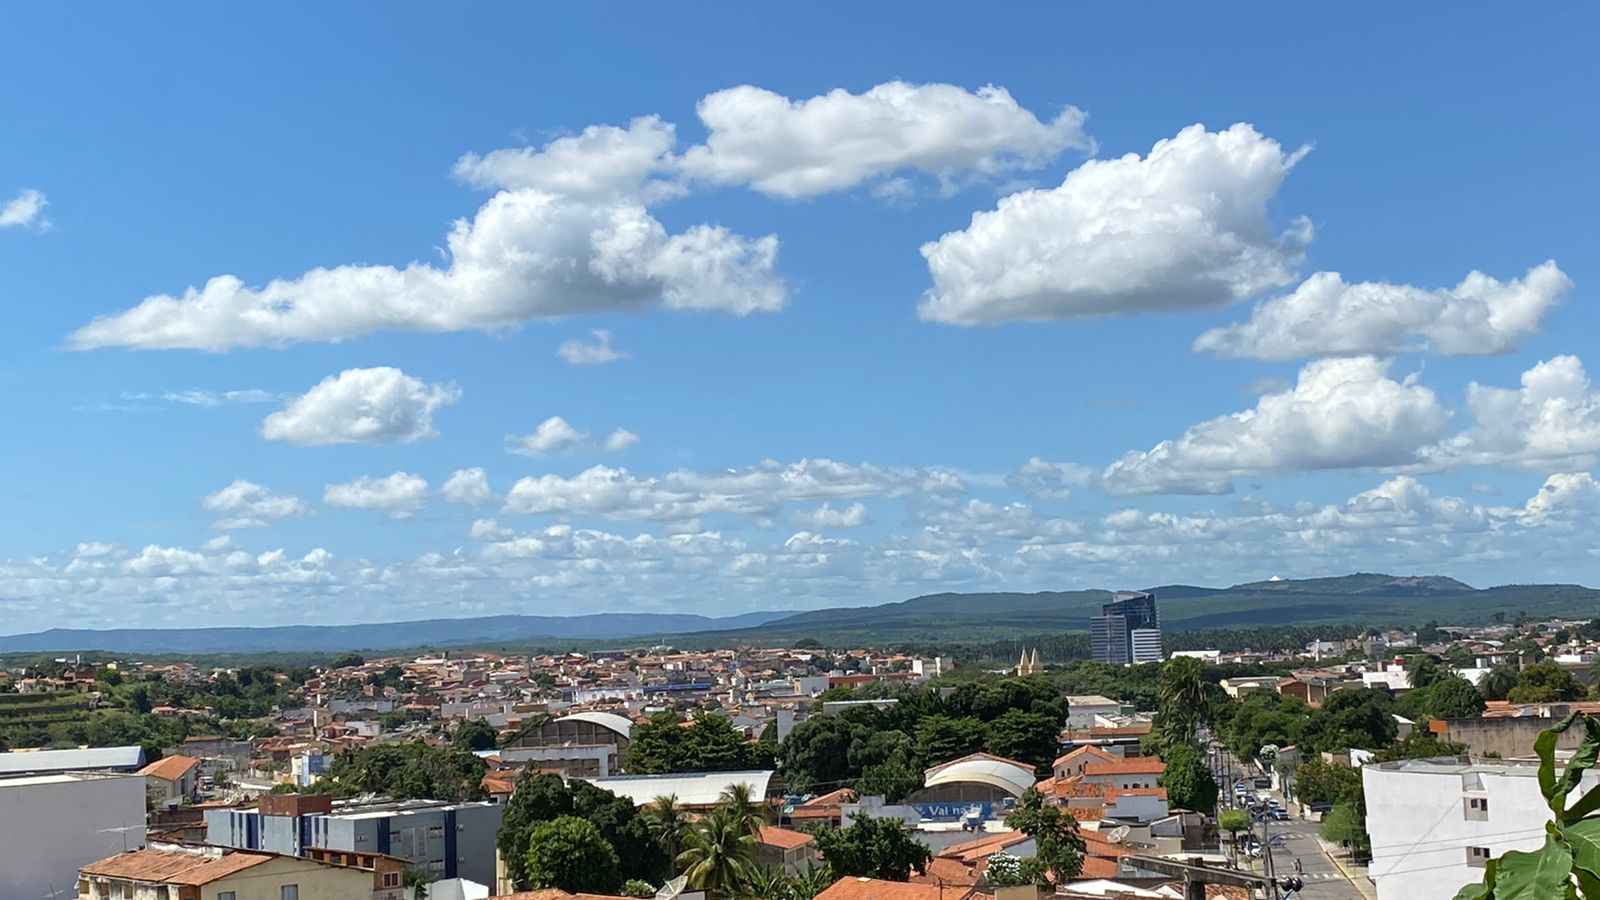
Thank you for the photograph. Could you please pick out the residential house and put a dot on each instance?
(783, 848)
(172, 780)
(201, 872)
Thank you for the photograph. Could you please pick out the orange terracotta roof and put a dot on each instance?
(851, 888)
(1095, 845)
(1098, 867)
(1091, 750)
(842, 795)
(174, 866)
(972, 852)
(1139, 765)
(170, 768)
(785, 838)
(942, 870)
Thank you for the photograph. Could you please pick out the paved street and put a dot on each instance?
(1323, 879)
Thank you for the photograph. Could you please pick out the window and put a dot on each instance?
(289, 892)
(436, 831)
(390, 879)
(435, 865)
(1476, 809)
(1477, 856)
(225, 895)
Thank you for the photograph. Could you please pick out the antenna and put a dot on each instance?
(123, 830)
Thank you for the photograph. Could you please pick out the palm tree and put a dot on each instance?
(769, 884)
(1181, 700)
(812, 880)
(739, 800)
(719, 854)
(669, 825)
(1498, 681)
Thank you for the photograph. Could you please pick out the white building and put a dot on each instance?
(1433, 824)
(52, 825)
(1082, 709)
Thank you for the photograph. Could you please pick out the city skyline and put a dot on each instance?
(541, 311)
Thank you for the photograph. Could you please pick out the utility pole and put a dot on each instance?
(1266, 849)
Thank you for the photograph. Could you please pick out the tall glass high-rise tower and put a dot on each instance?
(1128, 629)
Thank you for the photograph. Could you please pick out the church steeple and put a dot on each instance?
(1028, 664)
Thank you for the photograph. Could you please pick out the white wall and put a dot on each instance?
(50, 826)
(1420, 831)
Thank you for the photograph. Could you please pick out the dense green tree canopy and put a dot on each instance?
(709, 744)
(942, 738)
(1058, 856)
(1545, 682)
(1188, 781)
(873, 848)
(1029, 737)
(568, 852)
(473, 734)
(1361, 718)
(409, 771)
(543, 798)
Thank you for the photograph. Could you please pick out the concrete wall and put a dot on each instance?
(50, 826)
(1506, 736)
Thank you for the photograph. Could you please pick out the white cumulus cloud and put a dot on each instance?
(1551, 423)
(829, 516)
(801, 148)
(381, 405)
(1325, 316)
(469, 486)
(562, 242)
(1048, 480)
(1183, 228)
(399, 495)
(245, 504)
(557, 435)
(597, 353)
(1342, 413)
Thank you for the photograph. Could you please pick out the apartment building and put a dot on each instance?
(1435, 823)
(444, 840)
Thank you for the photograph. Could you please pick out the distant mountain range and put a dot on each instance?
(1365, 598)
(378, 636)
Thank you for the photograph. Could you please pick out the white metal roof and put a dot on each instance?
(691, 789)
(40, 762)
(981, 768)
(620, 724)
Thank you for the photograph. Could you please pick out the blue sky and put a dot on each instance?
(830, 377)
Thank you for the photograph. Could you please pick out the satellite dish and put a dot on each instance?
(673, 888)
(1118, 834)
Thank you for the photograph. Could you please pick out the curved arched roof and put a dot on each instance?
(620, 724)
(1008, 776)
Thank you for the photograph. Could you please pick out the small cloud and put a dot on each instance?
(598, 353)
(557, 435)
(25, 210)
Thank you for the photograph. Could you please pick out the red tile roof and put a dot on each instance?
(170, 768)
(1138, 765)
(174, 866)
(873, 889)
(783, 837)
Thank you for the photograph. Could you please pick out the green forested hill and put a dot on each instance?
(1373, 599)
